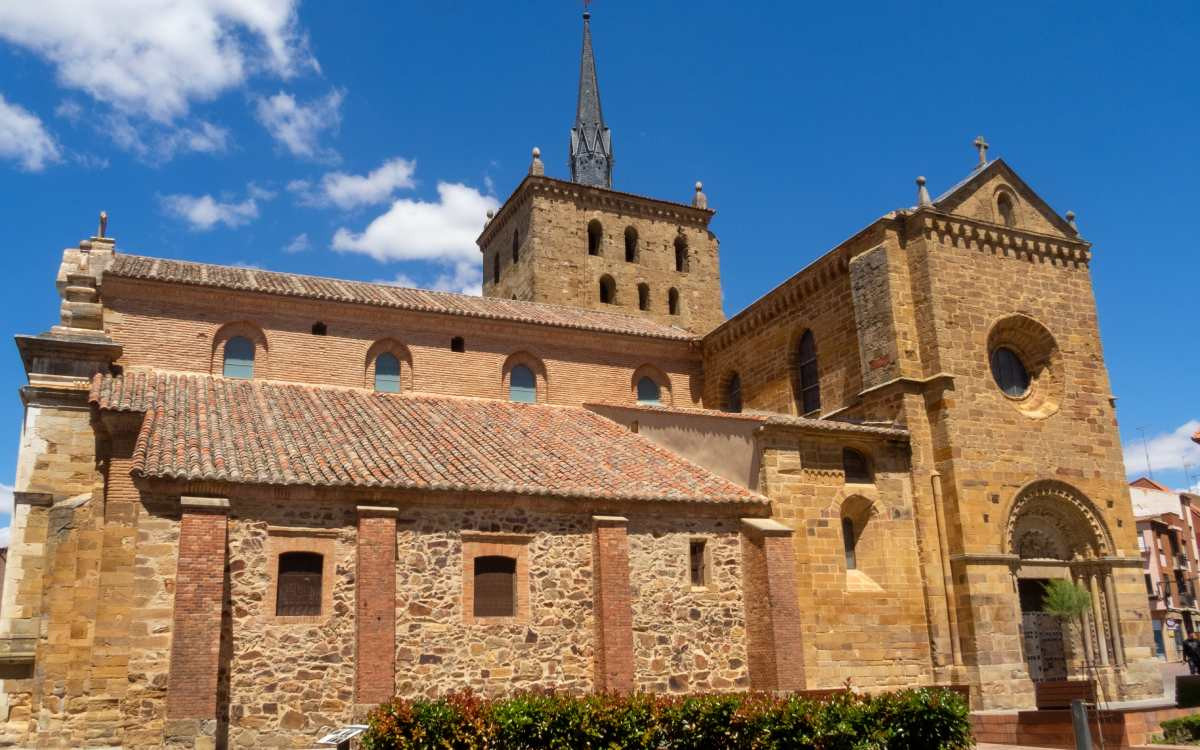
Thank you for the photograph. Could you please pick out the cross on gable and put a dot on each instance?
(982, 146)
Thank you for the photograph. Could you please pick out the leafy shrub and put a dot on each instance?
(1181, 730)
(920, 719)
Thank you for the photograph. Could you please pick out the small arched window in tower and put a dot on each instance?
(457, 344)
(495, 583)
(496, 269)
(595, 236)
(522, 385)
(849, 541)
(648, 391)
(239, 358)
(673, 301)
(608, 290)
(681, 253)
(387, 373)
(808, 384)
(319, 329)
(631, 245)
(1008, 214)
(856, 467)
(733, 394)
(298, 590)
(516, 246)
(643, 296)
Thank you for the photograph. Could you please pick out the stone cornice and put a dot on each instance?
(597, 197)
(973, 234)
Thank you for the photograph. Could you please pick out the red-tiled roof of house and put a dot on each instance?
(386, 295)
(204, 428)
(1147, 483)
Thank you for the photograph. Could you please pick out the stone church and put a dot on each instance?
(250, 505)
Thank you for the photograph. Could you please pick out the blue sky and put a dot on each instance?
(367, 140)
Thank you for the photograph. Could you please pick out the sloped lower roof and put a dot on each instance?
(204, 428)
(385, 295)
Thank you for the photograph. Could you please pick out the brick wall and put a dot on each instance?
(613, 606)
(375, 601)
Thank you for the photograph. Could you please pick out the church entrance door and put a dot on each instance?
(1045, 652)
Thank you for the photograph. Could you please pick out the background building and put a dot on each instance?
(1167, 524)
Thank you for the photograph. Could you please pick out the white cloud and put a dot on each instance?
(348, 191)
(299, 126)
(466, 278)
(157, 144)
(24, 139)
(298, 244)
(203, 212)
(444, 230)
(1169, 451)
(155, 57)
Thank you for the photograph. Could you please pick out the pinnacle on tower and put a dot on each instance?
(591, 158)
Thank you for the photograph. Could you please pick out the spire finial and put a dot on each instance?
(700, 200)
(535, 165)
(591, 158)
(922, 193)
(1071, 221)
(982, 146)
(103, 223)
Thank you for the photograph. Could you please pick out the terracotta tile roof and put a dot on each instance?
(385, 295)
(204, 428)
(767, 418)
(1149, 484)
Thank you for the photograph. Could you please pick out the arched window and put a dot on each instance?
(849, 540)
(516, 246)
(856, 467)
(495, 586)
(239, 358)
(1009, 372)
(643, 296)
(387, 373)
(673, 301)
(522, 385)
(631, 245)
(298, 590)
(808, 384)
(319, 329)
(648, 391)
(1008, 214)
(595, 236)
(681, 253)
(608, 290)
(733, 394)
(496, 269)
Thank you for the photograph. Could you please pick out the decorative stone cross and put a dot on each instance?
(103, 223)
(982, 146)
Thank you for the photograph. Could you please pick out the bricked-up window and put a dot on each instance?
(648, 391)
(516, 249)
(849, 540)
(319, 329)
(1008, 215)
(673, 301)
(856, 467)
(457, 344)
(643, 296)
(299, 591)
(239, 358)
(681, 254)
(495, 586)
(698, 563)
(808, 383)
(595, 236)
(608, 289)
(522, 385)
(1009, 372)
(733, 394)
(631, 246)
(387, 373)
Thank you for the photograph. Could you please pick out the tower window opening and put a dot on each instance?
(681, 254)
(595, 236)
(673, 301)
(608, 290)
(496, 269)
(516, 246)
(631, 245)
(643, 296)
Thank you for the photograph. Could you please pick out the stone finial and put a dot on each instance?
(981, 146)
(490, 215)
(536, 166)
(103, 223)
(1071, 221)
(700, 200)
(922, 193)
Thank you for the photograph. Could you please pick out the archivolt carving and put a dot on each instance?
(1051, 519)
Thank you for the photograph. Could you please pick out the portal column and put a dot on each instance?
(375, 621)
(1087, 627)
(613, 605)
(1098, 617)
(1114, 619)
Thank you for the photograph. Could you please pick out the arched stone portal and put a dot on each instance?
(1057, 532)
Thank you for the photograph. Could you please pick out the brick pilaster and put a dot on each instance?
(612, 603)
(375, 623)
(199, 594)
(774, 650)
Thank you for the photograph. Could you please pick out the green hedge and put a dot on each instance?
(918, 719)
(1181, 730)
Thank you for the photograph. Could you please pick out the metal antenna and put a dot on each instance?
(1146, 447)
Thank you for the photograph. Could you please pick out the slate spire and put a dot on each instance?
(591, 159)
